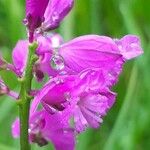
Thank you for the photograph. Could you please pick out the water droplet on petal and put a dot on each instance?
(29, 130)
(57, 62)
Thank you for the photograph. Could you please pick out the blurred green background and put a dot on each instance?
(127, 125)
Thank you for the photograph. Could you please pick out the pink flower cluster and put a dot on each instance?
(81, 75)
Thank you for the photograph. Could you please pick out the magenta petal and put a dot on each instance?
(95, 78)
(44, 127)
(91, 108)
(15, 128)
(92, 51)
(44, 45)
(55, 13)
(40, 95)
(35, 10)
(80, 122)
(61, 135)
(111, 97)
(48, 43)
(129, 46)
(51, 128)
(20, 54)
(45, 50)
(63, 139)
(54, 93)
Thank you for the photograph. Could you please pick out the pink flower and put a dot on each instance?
(44, 127)
(85, 96)
(81, 74)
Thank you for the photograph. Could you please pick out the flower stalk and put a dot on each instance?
(25, 98)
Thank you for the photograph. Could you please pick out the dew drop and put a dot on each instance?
(57, 62)
(29, 130)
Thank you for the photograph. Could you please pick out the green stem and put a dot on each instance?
(24, 101)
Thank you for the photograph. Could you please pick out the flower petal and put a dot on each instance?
(61, 135)
(92, 51)
(35, 10)
(15, 128)
(44, 127)
(90, 110)
(55, 13)
(47, 47)
(54, 93)
(20, 54)
(129, 46)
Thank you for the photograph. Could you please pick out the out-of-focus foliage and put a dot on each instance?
(126, 127)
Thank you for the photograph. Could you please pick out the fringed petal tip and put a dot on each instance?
(91, 109)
